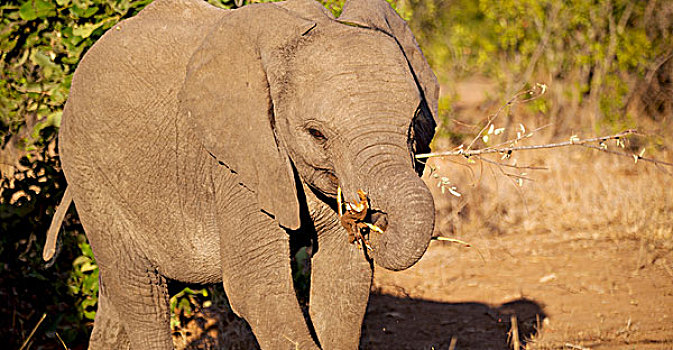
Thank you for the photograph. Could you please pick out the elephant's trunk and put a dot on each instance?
(400, 201)
(410, 211)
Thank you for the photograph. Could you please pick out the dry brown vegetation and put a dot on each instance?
(577, 189)
(582, 190)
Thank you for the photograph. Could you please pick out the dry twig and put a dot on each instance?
(513, 334)
(533, 92)
(62, 342)
(574, 141)
(25, 342)
(453, 240)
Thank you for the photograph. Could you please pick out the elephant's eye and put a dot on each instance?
(317, 134)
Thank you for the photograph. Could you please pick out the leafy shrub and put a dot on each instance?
(83, 281)
(597, 53)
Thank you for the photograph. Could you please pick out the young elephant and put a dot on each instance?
(196, 141)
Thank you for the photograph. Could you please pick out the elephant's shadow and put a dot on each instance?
(394, 322)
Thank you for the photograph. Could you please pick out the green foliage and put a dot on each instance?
(604, 48)
(185, 303)
(41, 43)
(83, 281)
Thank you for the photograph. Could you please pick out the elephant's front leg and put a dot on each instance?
(256, 271)
(340, 281)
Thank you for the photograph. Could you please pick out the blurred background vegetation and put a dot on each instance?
(608, 65)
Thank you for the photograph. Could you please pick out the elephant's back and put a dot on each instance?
(121, 143)
(123, 97)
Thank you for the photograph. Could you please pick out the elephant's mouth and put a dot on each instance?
(360, 220)
(393, 221)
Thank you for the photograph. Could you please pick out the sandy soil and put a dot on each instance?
(566, 291)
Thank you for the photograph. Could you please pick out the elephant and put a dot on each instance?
(197, 142)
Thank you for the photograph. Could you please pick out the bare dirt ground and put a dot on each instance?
(566, 291)
(558, 263)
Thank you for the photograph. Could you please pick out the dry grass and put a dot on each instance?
(582, 190)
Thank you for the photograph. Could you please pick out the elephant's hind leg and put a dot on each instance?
(108, 330)
(140, 294)
(131, 286)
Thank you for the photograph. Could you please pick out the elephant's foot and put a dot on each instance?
(108, 330)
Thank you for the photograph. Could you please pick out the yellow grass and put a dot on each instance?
(582, 190)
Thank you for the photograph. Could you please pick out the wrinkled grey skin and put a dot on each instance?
(197, 140)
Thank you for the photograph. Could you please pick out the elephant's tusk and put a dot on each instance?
(339, 200)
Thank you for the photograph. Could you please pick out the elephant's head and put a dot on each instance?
(279, 90)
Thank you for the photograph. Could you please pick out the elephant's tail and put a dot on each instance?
(55, 227)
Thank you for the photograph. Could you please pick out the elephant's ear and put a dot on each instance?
(226, 99)
(378, 14)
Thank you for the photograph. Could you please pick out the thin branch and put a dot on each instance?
(452, 240)
(636, 157)
(62, 342)
(493, 117)
(571, 142)
(522, 177)
(514, 141)
(515, 99)
(529, 167)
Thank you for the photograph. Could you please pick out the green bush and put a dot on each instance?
(599, 52)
